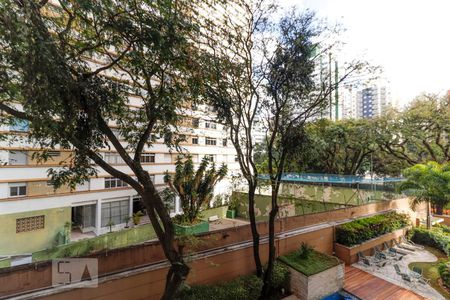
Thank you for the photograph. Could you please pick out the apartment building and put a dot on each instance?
(33, 213)
(368, 100)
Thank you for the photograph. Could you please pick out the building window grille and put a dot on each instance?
(210, 141)
(112, 182)
(148, 158)
(30, 224)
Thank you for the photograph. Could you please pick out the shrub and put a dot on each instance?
(361, 230)
(244, 287)
(280, 278)
(305, 250)
(444, 273)
(435, 237)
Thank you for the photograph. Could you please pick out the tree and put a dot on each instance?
(233, 88)
(428, 183)
(338, 147)
(420, 133)
(293, 93)
(195, 189)
(68, 69)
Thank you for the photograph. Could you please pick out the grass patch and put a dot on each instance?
(5, 263)
(430, 270)
(113, 240)
(316, 262)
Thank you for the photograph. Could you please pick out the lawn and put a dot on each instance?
(4, 263)
(315, 263)
(111, 240)
(430, 270)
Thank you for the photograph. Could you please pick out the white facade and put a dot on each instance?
(19, 170)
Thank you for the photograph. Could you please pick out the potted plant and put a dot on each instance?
(232, 207)
(137, 217)
(127, 220)
(110, 224)
(195, 190)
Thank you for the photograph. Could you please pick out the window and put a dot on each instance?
(115, 212)
(17, 158)
(210, 141)
(19, 125)
(112, 182)
(195, 123)
(152, 177)
(210, 157)
(224, 142)
(53, 153)
(30, 224)
(147, 157)
(210, 125)
(113, 158)
(195, 140)
(17, 189)
(236, 158)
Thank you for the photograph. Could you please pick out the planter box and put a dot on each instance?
(220, 211)
(350, 254)
(192, 229)
(231, 213)
(319, 285)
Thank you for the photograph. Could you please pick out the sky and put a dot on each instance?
(409, 39)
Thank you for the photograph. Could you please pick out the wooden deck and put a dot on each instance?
(370, 287)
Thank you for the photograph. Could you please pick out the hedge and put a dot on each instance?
(361, 230)
(435, 237)
(444, 273)
(244, 287)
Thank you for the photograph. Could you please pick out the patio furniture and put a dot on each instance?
(399, 249)
(411, 243)
(364, 260)
(417, 273)
(386, 253)
(408, 279)
(405, 246)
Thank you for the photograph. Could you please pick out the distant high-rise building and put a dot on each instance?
(366, 101)
(374, 100)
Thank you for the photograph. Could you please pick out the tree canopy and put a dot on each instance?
(101, 75)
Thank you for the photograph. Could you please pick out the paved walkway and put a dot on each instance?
(388, 273)
(370, 287)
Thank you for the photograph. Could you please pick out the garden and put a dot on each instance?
(305, 261)
(437, 241)
(361, 230)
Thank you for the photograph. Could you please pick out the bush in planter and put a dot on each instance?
(364, 229)
(194, 188)
(233, 206)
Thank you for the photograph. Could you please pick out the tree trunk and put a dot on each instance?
(428, 215)
(266, 290)
(158, 216)
(255, 234)
(175, 277)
